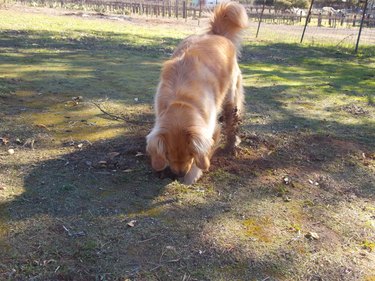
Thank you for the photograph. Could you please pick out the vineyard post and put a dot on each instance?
(360, 27)
(307, 20)
(260, 18)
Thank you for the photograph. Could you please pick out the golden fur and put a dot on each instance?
(199, 82)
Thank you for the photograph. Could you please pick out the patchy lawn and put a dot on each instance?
(78, 200)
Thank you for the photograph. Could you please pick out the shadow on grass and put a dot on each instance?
(72, 222)
(325, 68)
(82, 40)
(75, 219)
(308, 88)
(95, 66)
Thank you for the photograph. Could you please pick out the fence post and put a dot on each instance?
(307, 20)
(320, 19)
(184, 9)
(260, 18)
(330, 19)
(177, 9)
(200, 8)
(360, 28)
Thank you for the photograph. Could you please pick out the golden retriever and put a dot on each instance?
(201, 81)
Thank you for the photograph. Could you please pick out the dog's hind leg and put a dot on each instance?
(232, 111)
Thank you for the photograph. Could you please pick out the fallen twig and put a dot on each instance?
(114, 117)
(149, 239)
(118, 117)
(163, 264)
(30, 143)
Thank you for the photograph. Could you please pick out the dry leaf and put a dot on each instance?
(4, 140)
(42, 126)
(131, 223)
(79, 98)
(312, 235)
(71, 103)
(286, 180)
(112, 155)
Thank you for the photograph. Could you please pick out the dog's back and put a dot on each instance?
(206, 59)
(207, 64)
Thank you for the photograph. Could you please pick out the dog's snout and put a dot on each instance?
(181, 174)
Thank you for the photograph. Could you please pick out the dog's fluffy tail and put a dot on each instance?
(228, 20)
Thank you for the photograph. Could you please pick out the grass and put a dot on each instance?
(66, 202)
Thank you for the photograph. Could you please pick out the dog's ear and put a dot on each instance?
(202, 162)
(201, 147)
(158, 162)
(157, 150)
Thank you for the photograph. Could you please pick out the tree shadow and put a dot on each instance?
(100, 212)
(311, 88)
(85, 64)
(308, 67)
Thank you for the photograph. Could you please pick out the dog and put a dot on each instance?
(200, 82)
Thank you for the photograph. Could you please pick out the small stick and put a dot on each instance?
(116, 117)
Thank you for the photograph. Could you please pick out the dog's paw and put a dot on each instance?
(192, 176)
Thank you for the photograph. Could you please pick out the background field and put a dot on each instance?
(78, 200)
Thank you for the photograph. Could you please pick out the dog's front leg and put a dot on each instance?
(232, 121)
(233, 109)
(193, 175)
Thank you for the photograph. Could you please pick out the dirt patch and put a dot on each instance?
(354, 109)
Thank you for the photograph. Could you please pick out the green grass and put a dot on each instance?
(65, 205)
(310, 86)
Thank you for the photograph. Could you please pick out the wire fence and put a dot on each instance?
(267, 23)
(317, 26)
(337, 36)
